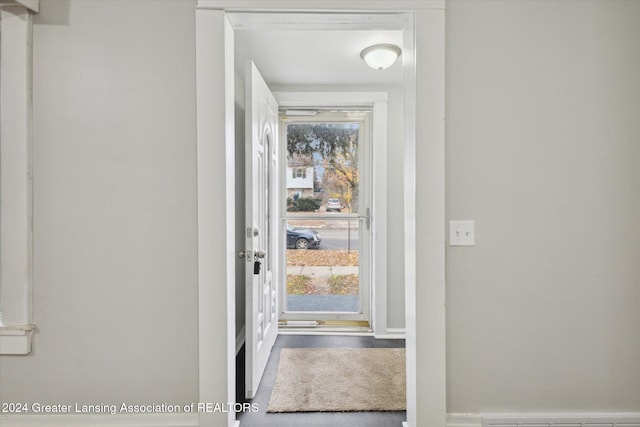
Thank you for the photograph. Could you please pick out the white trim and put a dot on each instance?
(16, 205)
(139, 420)
(464, 420)
(329, 99)
(215, 133)
(428, 383)
(321, 5)
(393, 334)
(545, 418)
(377, 171)
(310, 22)
(16, 340)
(425, 218)
(409, 163)
(581, 419)
(326, 331)
(32, 5)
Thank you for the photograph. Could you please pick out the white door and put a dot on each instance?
(261, 229)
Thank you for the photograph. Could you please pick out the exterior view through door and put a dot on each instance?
(326, 216)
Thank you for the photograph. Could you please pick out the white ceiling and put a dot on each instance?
(293, 57)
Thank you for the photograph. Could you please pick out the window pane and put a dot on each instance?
(323, 266)
(323, 163)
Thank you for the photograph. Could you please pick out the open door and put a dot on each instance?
(261, 226)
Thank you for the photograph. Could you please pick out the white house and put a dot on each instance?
(299, 182)
(541, 145)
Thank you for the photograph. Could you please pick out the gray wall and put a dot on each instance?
(115, 237)
(395, 209)
(543, 151)
(543, 146)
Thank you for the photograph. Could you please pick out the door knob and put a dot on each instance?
(261, 254)
(241, 254)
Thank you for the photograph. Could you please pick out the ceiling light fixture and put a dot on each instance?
(381, 56)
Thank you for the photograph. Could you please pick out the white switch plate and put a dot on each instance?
(462, 233)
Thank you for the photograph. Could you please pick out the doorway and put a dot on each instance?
(326, 187)
(423, 97)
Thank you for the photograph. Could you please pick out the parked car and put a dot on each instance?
(302, 238)
(334, 205)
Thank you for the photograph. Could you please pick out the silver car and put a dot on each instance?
(334, 205)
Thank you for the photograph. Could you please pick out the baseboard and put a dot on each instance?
(545, 419)
(139, 420)
(392, 334)
(464, 420)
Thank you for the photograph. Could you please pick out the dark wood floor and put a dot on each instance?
(313, 419)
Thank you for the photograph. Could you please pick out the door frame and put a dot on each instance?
(424, 87)
(364, 213)
(377, 102)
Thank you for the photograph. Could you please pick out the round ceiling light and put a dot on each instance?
(381, 56)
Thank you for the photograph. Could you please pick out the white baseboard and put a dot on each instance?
(464, 420)
(615, 419)
(139, 420)
(546, 419)
(393, 334)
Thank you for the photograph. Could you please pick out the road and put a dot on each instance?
(338, 239)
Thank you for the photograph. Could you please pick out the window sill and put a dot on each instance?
(16, 340)
(32, 5)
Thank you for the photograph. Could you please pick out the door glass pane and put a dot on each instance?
(323, 265)
(323, 191)
(322, 167)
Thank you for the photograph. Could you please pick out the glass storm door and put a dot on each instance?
(326, 216)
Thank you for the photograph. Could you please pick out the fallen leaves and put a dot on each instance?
(322, 257)
(337, 284)
(300, 285)
(344, 284)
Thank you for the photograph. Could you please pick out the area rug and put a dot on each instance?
(339, 379)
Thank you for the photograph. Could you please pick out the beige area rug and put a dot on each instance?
(339, 379)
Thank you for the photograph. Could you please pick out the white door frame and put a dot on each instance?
(424, 209)
(377, 267)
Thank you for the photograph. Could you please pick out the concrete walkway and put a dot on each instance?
(324, 303)
(323, 300)
(320, 275)
(322, 271)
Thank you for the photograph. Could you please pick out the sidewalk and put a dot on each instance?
(322, 299)
(322, 223)
(320, 276)
(322, 271)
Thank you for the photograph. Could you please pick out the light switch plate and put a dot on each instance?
(462, 233)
